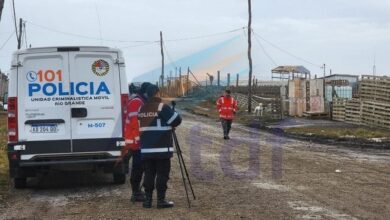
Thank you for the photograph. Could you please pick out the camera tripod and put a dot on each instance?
(183, 167)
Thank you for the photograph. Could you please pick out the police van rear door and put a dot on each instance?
(96, 102)
(43, 119)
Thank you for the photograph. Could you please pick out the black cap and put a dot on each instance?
(132, 88)
(144, 87)
(152, 90)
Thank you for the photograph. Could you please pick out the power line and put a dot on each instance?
(88, 37)
(132, 41)
(206, 36)
(265, 52)
(100, 24)
(139, 45)
(285, 51)
(169, 56)
(262, 47)
(197, 37)
(5, 43)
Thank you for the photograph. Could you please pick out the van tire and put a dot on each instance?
(119, 178)
(20, 182)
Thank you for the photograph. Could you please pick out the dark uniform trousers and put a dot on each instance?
(137, 169)
(156, 122)
(156, 175)
(226, 125)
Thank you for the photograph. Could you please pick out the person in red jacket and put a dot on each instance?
(132, 140)
(227, 108)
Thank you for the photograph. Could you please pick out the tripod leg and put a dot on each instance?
(182, 175)
(188, 178)
(180, 155)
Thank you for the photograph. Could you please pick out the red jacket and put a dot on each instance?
(132, 127)
(227, 107)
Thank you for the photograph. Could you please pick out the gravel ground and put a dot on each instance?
(255, 175)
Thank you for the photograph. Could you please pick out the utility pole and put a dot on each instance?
(170, 83)
(175, 82)
(250, 56)
(324, 83)
(324, 67)
(374, 67)
(16, 26)
(20, 33)
(188, 80)
(218, 78)
(162, 60)
(211, 78)
(181, 92)
(237, 80)
(1, 7)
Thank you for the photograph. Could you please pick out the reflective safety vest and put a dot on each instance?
(156, 121)
(132, 138)
(227, 106)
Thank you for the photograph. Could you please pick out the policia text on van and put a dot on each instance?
(66, 107)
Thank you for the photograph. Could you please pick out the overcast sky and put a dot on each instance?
(344, 34)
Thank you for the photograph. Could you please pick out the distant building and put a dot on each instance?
(290, 72)
(313, 96)
(3, 85)
(341, 86)
(306, 96)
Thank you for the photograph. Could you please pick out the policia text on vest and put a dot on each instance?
(156, 123)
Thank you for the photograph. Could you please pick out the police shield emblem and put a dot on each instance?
(100, 67)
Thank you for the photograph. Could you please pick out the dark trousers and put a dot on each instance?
(137, 169)
(226, 125)
(157, 175)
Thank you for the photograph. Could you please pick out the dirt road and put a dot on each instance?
(255, 175)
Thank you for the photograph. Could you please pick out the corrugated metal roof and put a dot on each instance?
(291, 69)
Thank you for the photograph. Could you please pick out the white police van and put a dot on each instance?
(66, 108)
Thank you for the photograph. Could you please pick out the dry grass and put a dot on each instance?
(337, 132)
(208, 108)
(3, 156)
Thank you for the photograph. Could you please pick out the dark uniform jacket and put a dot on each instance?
(156, 121)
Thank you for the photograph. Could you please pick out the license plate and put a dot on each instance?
(47, 128)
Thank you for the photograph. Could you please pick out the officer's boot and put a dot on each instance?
(138, 196)
(225, 134)
(162, 203)
(148, 200)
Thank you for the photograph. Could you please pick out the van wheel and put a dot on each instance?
(20, 183)
(119, 178)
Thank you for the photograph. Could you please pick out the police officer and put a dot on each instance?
(227, 107)
(156, 123)
(132, 141)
